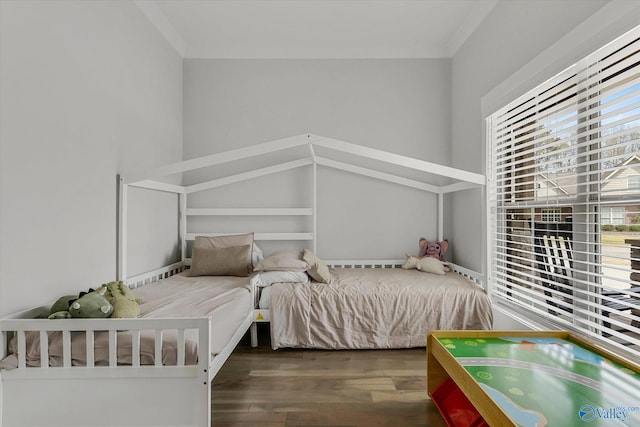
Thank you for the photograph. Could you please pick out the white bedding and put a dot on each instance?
(225, 299)
(265, 298)
(375, 308)
(263, 280)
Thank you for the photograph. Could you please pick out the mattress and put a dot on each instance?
(226, 300)
(375, 308)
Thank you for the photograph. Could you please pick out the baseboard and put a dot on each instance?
(511, 318)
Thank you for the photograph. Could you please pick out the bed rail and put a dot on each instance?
(43, 311)
(379, 263)
(44, 327)
(180, 390)
(474, 276)
(155, 275)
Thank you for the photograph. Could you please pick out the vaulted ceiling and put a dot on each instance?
(316, 28)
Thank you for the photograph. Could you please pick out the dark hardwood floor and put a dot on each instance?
(289, 387)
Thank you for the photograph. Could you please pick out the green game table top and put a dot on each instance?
(549, 380)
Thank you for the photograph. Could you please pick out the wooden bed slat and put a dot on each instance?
(180, 348)
(90, 338)
(204, 352)
(158, 348)
(44, 349)
(135, 348)
(113, 348)
(66, 348)
(386, 263)
(22, 349)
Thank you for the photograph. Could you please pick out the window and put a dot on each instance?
(571, 142)
(612, 216)
(551, 215)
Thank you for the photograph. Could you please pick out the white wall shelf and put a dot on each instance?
(249, 211)
(257, 236)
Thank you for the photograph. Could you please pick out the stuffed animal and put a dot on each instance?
(120, 296)
(91, 304)
(433, 249)
(62, 304)
(426, 264)
(61, 307)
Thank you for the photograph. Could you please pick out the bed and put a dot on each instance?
(225, 301)
(375, 309)
(159, 365)
(175, 350)
(368, 307)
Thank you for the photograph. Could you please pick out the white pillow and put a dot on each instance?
(283, 260)
(268, 278)
(265, 298)
(256, 256)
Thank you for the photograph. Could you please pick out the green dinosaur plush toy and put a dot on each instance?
(120, 296)
(62, 305)
(92, 304)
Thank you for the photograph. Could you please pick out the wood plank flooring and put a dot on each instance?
(289, 387)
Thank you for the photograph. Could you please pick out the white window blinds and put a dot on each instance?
(572, 147)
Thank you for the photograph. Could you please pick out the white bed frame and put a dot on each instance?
(137, 395)
(178, 395)
(344, 156)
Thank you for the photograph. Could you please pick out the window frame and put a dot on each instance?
(513, 192)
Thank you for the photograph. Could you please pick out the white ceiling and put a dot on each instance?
(316, 28)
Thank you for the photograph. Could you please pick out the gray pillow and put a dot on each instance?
(318, 270)
(231, 261)
(226, 241)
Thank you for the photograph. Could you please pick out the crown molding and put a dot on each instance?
(158, 19)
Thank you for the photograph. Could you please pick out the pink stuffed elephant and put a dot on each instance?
(433, 249)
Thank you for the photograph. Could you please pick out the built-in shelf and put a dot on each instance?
(258, 236)
(249, 211)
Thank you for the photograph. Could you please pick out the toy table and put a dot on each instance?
(530, 379)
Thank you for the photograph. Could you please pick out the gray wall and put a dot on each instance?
(518, 46)
(402, 106)
(89, 89)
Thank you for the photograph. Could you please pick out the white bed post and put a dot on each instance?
(121, 273)
(315, 200)
(182, 197)
(440, 216)
(205, 374)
